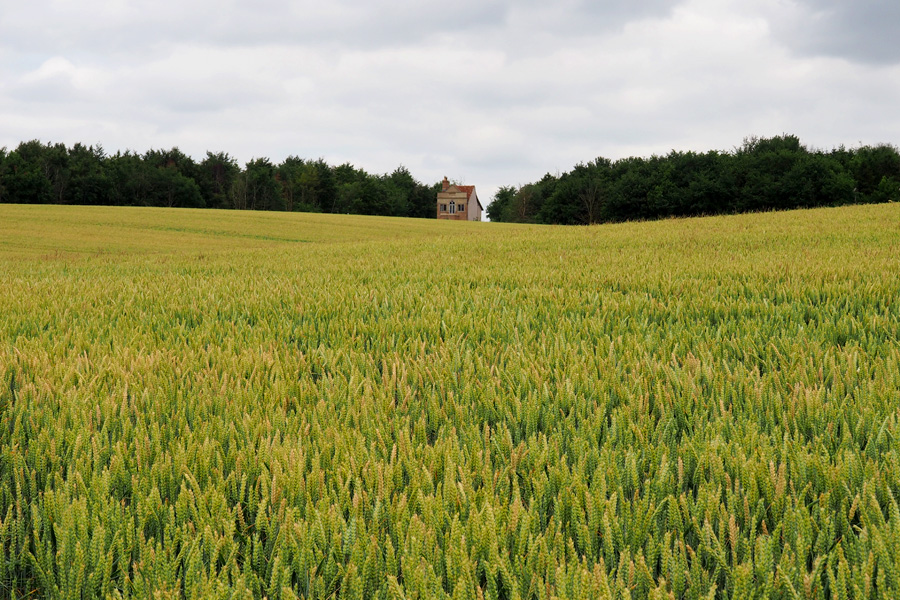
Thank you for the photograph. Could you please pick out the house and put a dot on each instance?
(458, 202)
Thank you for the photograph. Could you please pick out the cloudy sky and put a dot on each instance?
(488, 92)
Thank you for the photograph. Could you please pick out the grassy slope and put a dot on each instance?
(336, 401)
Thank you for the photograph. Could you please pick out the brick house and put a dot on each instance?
(458, 202)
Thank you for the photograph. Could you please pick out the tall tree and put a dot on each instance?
(261, 186)
(402, 188)
(215, 176)
(289, 174)
(327, 188)
(27, 174)
(870, 164)
(3, 155)
(89, 182)
(501, 204)
(130, 180)
(348, 182)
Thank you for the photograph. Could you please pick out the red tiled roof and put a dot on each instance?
(468, 189)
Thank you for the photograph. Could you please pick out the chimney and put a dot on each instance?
(445, 184)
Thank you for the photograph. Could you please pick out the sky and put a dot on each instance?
(486, 92)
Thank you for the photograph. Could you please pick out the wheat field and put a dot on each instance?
(212, 404)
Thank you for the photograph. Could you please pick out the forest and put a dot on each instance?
(37, 173)
(775, 173)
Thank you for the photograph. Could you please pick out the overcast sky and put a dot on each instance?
(487, 92)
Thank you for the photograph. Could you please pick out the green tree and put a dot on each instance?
(869, 165)
(170, 177)
(327, 188)
(594, 191)
(374, 198)
(172, 159)
(215, 176)
(501, 203)
(698, 183)
(348, 182)
(27, 174)
(765, 166)
(261, 189)
(176, 190)
(130, 180)
(289, 174)
(411, 198)
(56, 165)
(423, 201)
(306, 185)
(888, 190)
(89, 182)
(3, 155)
(632, 183)
(309, 188)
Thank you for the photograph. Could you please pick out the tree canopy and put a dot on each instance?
(761, 174)
(38, 173)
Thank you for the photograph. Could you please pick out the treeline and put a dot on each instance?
(774, 173)
(763, 174)
(37, 173)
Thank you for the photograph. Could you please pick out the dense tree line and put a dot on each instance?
(763, 174)
(37, 173)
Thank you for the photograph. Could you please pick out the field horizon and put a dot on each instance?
(211, 403)
(197, 223)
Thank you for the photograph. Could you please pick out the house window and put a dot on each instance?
(443, 208)
(462, 207)
(452, 207)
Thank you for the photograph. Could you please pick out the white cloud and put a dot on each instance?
(498, 91)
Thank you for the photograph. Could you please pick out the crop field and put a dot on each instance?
(210, 404)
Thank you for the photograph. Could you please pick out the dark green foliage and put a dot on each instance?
(257, 188)
(35, 173)
(500, 206)
(158, 178)
(88, 181)
(27, 172)
(3, 158)
(409, 197)
(763, 174)
(306, 186)
(215, 176)
(870, 165)
(888, 190)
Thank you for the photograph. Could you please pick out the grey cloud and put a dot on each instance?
(51, 90)
(498, 91)
(207, 97)
(616, 13)
(352, 24)
(391, 23)
(145, 28)
(863, 31)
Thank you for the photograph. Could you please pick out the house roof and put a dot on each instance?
(469, 190)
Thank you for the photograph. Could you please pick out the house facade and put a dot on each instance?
(458, 202)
